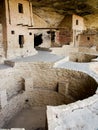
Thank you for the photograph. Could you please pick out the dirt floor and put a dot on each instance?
(30, 119)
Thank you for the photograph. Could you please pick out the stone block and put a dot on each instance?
(3, 98)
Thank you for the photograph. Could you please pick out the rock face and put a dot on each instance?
(49, 16)
(82, 115)
(91, 21)
(83, 7)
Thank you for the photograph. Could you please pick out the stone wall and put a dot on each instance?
(64, 50)
(2, 31)
(81, 57)
(15, 17)
(75, 116)
(86, 40)
(63, 37)
(12, 95)
(88, 50)
(78, 25)
(17, 25)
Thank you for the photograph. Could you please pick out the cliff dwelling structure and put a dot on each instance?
(48, 65)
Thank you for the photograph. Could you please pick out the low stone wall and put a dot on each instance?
(76, 116)
(39, 97)
(94, 67)
(64, 51)
(81, 57)
(88, 50)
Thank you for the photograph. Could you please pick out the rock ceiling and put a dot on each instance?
(63, 7)
(54, 11)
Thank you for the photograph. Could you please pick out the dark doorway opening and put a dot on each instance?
(37, 40)
(21, 41)
(53, 36)
(20, 8)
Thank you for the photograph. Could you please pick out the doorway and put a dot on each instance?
(37, 40)
(21, 41)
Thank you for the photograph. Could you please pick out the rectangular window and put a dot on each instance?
(21, 41)
(12, 32)
(88, 38)
(20, 8)
(77, 22)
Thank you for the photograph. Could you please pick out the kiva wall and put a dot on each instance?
(39, 84)
(50, 81)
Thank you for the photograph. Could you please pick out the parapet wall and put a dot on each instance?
(78, 115)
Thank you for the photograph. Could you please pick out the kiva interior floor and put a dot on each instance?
(29, 118)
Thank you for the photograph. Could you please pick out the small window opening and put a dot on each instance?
(26, 100)
(48, 32)
(76, 59)
(77, 22)
(12, 32)
(21, 41)
(57, 87)
(77, 38)
(88, 38)
(30, 33)
(20, 8)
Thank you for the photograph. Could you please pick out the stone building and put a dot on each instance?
(71, 26)
(61, 31)
(15, 20)
(78, 27)
(21, 33)
(86, 39)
